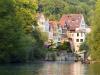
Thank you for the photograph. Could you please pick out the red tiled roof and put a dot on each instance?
(72, 20)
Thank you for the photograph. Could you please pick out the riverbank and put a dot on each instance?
(92, 62)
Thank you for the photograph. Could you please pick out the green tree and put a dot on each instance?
(84, 46)
(39, 51)
(65, 46)
(95, 34)
(53, 8)
(15, 16)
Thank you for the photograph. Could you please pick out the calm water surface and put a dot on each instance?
(51, 68)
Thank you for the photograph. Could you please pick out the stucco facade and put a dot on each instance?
(76, 29)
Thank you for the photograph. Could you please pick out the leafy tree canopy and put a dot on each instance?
(15, 17)
(94, 40)
(55, 8)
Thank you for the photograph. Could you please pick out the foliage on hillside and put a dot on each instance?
(55, 8)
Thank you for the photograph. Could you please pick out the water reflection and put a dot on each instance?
(63, 68)
(78, 69)
(51, 68)
(94, 69)
(20, 69)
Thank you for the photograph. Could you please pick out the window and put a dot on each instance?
(58, 39)
(77, 40)
(77, 34)
(59, 30)
(81, 40)
(42, 23)
(63, 31)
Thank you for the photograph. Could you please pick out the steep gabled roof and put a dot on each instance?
(72, 21)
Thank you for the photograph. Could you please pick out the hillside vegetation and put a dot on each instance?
(55, 8)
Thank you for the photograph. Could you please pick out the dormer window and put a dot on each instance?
(73, 20)
(77, 34)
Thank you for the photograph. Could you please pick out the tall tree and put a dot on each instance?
(16, 16)
(95, 34)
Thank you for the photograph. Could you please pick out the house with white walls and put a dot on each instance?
(52, 28)
(79, 38)
(41, 21)
(75, 29)
(43, 26)
(55, 31)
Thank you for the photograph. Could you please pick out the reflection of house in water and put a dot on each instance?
(63, 68)
(77, 69)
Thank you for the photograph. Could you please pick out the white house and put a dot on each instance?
(43, 25)
(50, 27)
(55, 31)
(76, 29)
(78, 38)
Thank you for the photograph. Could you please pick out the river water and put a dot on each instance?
(51, 68)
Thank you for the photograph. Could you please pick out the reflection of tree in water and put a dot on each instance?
(77, 69)
(94, 69)
(21, 69)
